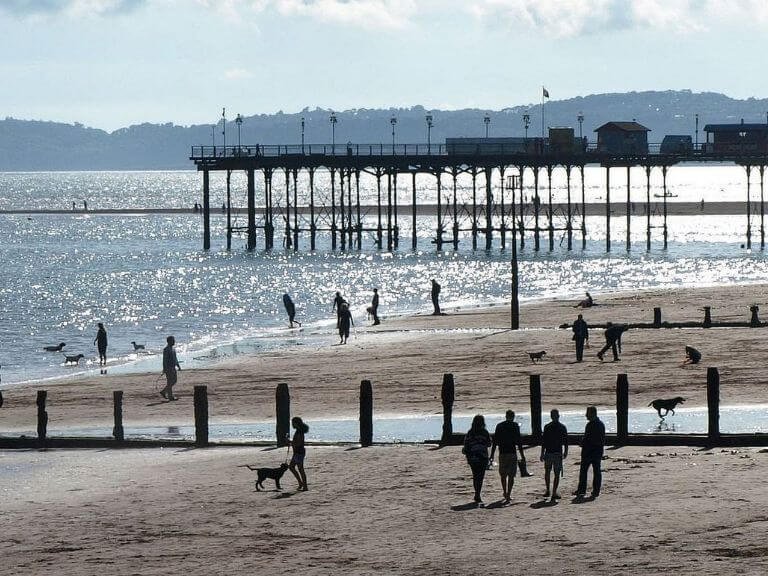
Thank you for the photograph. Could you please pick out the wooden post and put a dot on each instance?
(535, 387)
(707, 317)
(366, 413)
(283, 414)
(657, 317)
(447, 395)
(713, 405)
(201, 415)
(206, 211)
(42, 415)
(622, 409)
(754, 321)
(117, 400)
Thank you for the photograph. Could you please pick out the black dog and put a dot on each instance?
(536, 356)
(668, 405)
(264, 473)
(56, 348)
(137, 347)
(73, 359)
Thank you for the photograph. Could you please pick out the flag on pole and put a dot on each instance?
(544, 92)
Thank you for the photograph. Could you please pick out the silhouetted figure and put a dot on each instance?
(613, 340)
(195, 208)
(580, 336)
(507, 438)
(170, 365)
(290, 308)
(374, 308)
(73, 206)
(436, 297)
(587, 302)
(299, 452)
(476, 444)
(338, 300)
(591, 454)
(554, 449)
(345, 321)
(692, 356)
(85, 206)
(101, 344)
(223, 207)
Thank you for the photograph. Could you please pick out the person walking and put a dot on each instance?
(435, 297)
(296, 466)
(591, 454)
(345, 321)
(476, 443)
(613, 334)
(338, 300)
(101, 344)
(580, 336)
(554, 449)
(170, 366)
(507, 438)
(375, 307)
(290, 308)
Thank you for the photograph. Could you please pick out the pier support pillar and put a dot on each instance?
(474, 208)
(569, 220)
(648, 208)
(366, 413)
(629, 210)
(536, 206)
(749, 209)
(607, 208)
(488, 209)
(439, 233)
(550, 215)
(251, 244)
(455, 212)
(664, 186)
(206, 210)
(583, 210)
(379, 227)
(312, 222)
(414, 237)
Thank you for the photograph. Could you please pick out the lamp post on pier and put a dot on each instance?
(429, 133)
(302, 134)
(239, 122)
(526, 123)
(487, 122)
(580, 119)
(696, 147)
(224, 128)
(393, 121)
(333, 121)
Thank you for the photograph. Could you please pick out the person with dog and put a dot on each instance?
(692, 356)
(290, 308)
(476, 444)
(507, 438)
(101, 344)
(170, 366)
(592, 445)
(554, 449)
(612, 335)
(374, 308)
(296, 465)
(580, 336)
(345, 321)
(435, 293)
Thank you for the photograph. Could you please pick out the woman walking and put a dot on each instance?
(299, 452)
(345, 321)
(476, 444)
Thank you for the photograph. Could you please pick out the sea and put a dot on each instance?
(145, 275)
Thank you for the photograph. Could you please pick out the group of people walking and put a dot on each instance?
(554, 450)
(612, 335)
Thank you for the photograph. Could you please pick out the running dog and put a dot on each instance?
(56, 348)
(73, 359)
(137, 347)
(534, 356)
(264, 473)
(667, 405)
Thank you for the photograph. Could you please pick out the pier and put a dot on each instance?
(293, 214)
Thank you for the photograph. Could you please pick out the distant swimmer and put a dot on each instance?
(290, 308)
(56, 348)
(101, 344)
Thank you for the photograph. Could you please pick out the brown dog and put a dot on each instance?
(667, 405)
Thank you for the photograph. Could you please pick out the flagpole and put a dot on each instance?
(542, 115)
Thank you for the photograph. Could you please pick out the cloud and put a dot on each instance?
(237, 74)
(74, 7)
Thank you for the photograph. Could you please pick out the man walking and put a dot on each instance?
(613, 334)
(170, 365)
(554, 449)
(507, 438)
(101, 344)
(580, 336)
(591, 454)
(435, 297)
(375, 307)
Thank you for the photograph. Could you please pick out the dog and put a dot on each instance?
(536, 356)
(73, 359)
(56, 348)
(137, 347)
(667, 405)
(264, 473)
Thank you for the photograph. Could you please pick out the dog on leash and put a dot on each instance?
(273, 473)
(668, 405)
(536, 356)
(73, 359)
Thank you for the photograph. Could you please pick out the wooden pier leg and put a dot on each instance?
(521, 227)
(455, 213)
(474, 209)
(607, 208)
(488, 209)
(713, 406)
(282, 414)
(648, 208)
(395, 227)
(550, 215)
(269, 217)
(583, 210)
(333, 209)
(206, 210)
(350, 226)
(439, 235)
(754, 320)
(342, 212)
(629, 210)
(288, 239)
(503, 224)
(622, 409)
(201, 415)
(514, 309)
(295, 210)
(229, 211)
(312, 222)
(379, 227)
(535, 388)
(251, 193)
(389, 210)
(366, 413)
(359, 226)
(536, 207)
(664, 187)
(569, 221)
(42, 416)
(117, 409)
(447, 396)
(657, 317)
(414, 237)
(749, 209)
(707, 317)
(762, 210)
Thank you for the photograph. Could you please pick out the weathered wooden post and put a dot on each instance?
(366, 413)
(535, 386)
(42, 415)
(657, 317)
(622, 409)
(754, 321)
(283, 414)
(713, 405)
(201, 415)
(447, 395)
(117, 401)
(707, 317)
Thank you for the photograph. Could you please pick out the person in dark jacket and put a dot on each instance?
(435, 297)
(613, 334)
(507, 438)
(554, 449)
(591, 454)
(101, 344)
(375, 307)
(338, 300)
(476, 444)
(580, 336)
(345, 321)
(692, 356)
(290, 308)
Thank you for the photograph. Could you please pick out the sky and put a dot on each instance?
(113, 63)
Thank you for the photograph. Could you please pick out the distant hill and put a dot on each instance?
(38, 145)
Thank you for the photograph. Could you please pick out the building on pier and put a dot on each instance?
(622, 138)
(738, 138)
